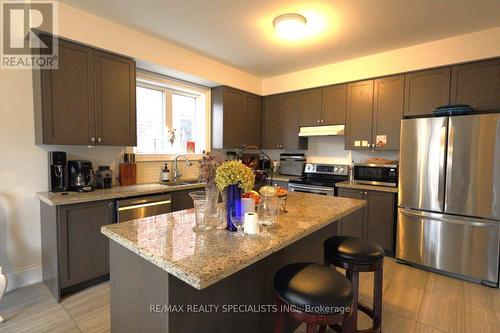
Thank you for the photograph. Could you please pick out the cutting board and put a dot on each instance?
(128, 174)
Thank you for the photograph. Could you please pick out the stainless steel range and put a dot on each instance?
(319, 178)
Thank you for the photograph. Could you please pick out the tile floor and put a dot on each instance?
(415, 301)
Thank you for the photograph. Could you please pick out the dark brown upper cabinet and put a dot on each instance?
(359, 115)
(88, 100)
(290, 125)
(310, 107)
(252, 120)
(236, 118)
(387, 112)
(426, 90)
(281, 122)
(477, 84)
(271, 122)
(334, 104)
(115, 99)
(64, 99)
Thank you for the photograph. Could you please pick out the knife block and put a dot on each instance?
(128, 174)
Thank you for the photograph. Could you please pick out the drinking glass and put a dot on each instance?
(238, 218)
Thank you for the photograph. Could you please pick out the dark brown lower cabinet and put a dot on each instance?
(74, 252)
(352, 224)
(181, 200)
(376, 222)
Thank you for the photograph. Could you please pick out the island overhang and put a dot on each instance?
(202, 259)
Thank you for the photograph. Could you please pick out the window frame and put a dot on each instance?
(173, 86)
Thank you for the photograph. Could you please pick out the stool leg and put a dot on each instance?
(351, 324)
(279, 318)
(326, 263)
(377, 297)
(311, 328)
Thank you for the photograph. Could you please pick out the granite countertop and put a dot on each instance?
(204, 258)
(56, 199)
(348, 184)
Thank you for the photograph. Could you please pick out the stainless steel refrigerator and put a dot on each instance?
(449, 195)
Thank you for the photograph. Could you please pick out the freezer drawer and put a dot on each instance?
(459, 245)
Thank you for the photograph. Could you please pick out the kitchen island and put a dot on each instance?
(167, 278)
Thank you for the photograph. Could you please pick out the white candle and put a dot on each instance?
(251, 225)
(248, 205)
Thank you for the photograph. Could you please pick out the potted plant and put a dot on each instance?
(233, 178)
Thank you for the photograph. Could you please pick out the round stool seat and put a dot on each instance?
(352, 250)
(313, 288)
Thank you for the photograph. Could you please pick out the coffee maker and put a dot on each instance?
(57, 170)
(81, 176)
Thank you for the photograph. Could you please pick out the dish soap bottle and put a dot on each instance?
(165, 174)
(351, 172)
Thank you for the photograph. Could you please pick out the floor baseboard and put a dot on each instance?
(23, 277)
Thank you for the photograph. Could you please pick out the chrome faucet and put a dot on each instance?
(177, 172)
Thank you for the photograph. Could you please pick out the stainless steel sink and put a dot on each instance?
(182, 182)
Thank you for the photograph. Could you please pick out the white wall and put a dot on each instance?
(23, 171)
(330, 150)
(152, 53)
(468, 47)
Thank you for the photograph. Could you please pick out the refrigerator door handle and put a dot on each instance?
(470, 221)
(442, 166)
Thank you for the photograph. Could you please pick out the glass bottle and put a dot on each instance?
(268, 209)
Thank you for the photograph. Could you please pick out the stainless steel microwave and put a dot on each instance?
(376, 174)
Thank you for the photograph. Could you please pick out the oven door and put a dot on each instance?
(314, 189)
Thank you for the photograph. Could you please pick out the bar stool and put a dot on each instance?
(316, 295)
(358, 255)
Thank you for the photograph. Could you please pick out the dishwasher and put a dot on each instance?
(136, 208)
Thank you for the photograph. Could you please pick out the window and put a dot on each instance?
(172, 117)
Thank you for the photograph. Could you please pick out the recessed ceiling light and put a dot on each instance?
(290, 26)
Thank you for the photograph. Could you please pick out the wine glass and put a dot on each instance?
(238, 218)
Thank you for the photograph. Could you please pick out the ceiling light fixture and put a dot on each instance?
(290, 26)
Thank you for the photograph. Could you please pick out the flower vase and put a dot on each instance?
(212, 198)
(233, 205)
(3, 286)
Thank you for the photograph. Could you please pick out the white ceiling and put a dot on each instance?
(240, 33)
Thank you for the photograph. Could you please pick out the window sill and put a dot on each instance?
(163, 157)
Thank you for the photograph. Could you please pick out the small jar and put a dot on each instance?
(268, 209)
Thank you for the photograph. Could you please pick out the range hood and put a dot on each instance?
(322, 130)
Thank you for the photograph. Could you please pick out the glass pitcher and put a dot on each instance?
(200, 210)
(268, 209)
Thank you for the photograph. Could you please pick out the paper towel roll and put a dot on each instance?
(251, 225)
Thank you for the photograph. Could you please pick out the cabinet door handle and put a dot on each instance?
(99, 140)
(92, 139)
